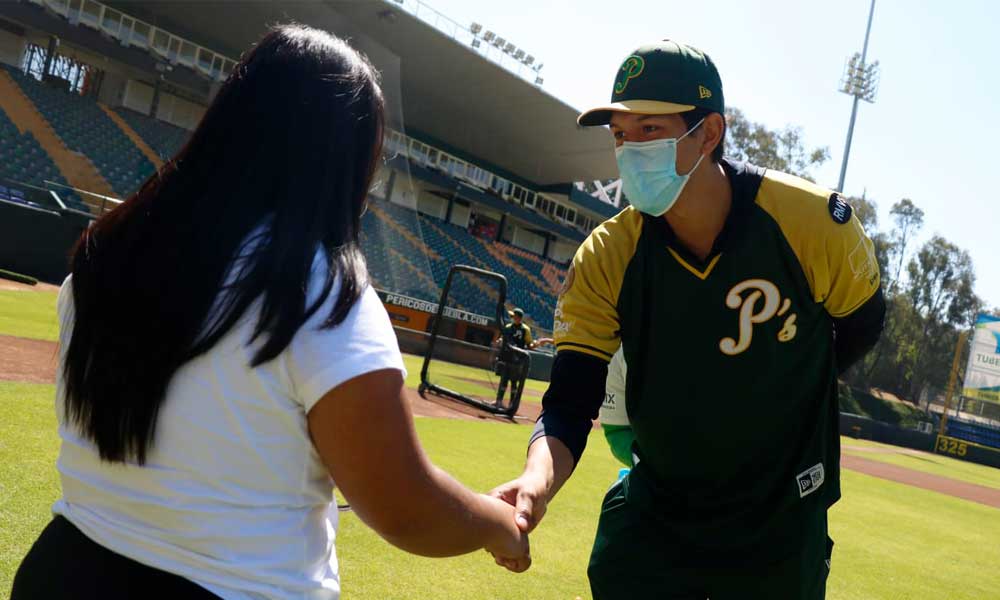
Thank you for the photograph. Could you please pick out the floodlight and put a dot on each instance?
(509, 48)
(475, 28)
(519, 54)
(499, 42)
(489, 35)
(529, 59)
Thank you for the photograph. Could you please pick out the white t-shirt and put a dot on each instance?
(613, 409)
(233, 495)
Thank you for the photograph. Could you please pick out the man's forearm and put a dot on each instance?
(549, 461)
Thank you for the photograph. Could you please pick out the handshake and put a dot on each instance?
(518, 506)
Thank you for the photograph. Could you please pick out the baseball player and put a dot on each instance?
(518, 335)
(737, 295)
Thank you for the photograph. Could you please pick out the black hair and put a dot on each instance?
(691, 119)
(291, 142)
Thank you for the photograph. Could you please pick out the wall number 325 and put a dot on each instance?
(951, 446)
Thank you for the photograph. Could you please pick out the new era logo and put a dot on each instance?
(704, 92)
(810, 480)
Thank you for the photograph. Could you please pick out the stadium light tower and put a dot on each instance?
(861, 81)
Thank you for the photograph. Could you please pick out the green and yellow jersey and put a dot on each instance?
(732, 363)
(517, 335)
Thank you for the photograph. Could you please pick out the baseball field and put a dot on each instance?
(911, 525)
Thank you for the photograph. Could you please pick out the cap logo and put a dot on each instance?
(704, 92)
(631, 68)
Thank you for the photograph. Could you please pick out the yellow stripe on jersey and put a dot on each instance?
(838, 259)
(702, 275)
(586, 317)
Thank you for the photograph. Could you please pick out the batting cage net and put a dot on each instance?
(468, 358)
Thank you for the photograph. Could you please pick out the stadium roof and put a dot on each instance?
(448, 91)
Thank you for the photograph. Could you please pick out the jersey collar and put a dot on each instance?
(744, 180)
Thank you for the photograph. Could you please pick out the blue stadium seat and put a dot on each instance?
(85, 128)
(976, 433)
(165, 139)
(22, 159)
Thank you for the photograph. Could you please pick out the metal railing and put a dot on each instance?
(398, 143)
(130, 31)
(97, 202)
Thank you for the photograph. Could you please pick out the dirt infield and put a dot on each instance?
(927, 481)
(7, 284)
(34, 361)
(491, 386)
(432, 406)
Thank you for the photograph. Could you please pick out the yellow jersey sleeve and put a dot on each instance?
(836, 254)
(586, 316)
(527, 335)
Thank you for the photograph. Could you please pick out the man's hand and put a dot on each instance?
(528, 494)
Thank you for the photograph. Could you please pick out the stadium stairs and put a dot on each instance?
(553, 275)
(165, 139)
(130, 133)
(500, 252)
(405, 232)
(457, 246)
(23, 161)
(85, 128)
(74, 167)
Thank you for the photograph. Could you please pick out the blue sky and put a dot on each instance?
(928, 137)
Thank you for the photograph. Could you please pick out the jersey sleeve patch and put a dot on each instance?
(840, 210)
(835, 253)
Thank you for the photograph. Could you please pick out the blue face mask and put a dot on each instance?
(649, 173)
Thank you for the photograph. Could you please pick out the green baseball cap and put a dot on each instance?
(517, 312)
(662, 78)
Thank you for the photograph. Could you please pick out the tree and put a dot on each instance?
(781, 150)
(940, 288)
(891, 250)
(909, 220)
(866, 211)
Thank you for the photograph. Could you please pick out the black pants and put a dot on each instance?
(65, 564)
(627, 562)
(513, 369)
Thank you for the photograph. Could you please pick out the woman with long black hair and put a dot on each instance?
(224, 360)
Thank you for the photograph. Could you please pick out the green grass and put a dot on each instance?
(935, 464)
(370, 568)
(29, 483)
(893, 541)
(29, 314)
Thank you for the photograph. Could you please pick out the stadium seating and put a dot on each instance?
(85, 128)
(165, 139)
(974, 432)
(23, 159)
(408, 253)
(443, 245)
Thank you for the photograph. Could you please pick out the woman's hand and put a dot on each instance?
(509, 545)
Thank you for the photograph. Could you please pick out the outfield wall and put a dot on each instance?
(37, 241)
(864, 428)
